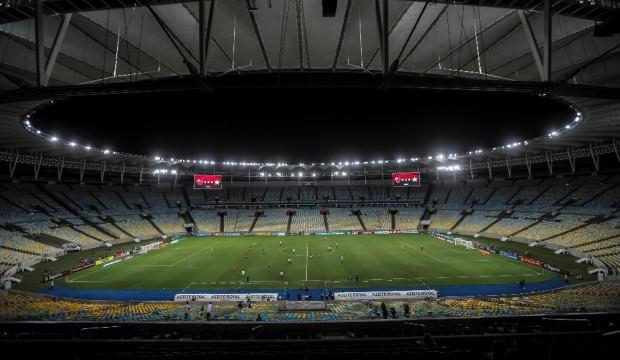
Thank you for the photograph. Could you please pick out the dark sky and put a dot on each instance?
(302, 125)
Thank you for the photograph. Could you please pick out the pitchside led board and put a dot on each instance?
(406, 179)
(208, 182)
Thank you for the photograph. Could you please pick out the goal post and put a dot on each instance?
(466, 243)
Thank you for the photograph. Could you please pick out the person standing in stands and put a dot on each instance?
(186, 309)
(406, 310)
(209, 309)
(384, 310)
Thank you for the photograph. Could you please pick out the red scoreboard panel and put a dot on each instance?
(406, 179)
(207, 182)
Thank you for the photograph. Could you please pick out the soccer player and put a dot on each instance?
(341, 259)
(293, 251)
(421, 247)
(280, 242)
(242, 272)
(289, 261)
(281, 274)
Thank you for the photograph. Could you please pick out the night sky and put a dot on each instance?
(294, 125)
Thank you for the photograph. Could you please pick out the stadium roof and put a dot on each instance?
(102, 41)
(112, 46)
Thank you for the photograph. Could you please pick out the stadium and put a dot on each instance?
(372, 178)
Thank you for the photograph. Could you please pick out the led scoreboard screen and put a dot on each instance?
(207, 182)
(406, 179)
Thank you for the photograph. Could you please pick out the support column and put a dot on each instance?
(471, 170)
(508, 167)
(61, 166)
(571, 160)
(490, 171)
(529, 165)
(123, 173)
(13, 163)
(37, 166)
(103, 167)
(616, 150)
(82, 171)
(549, 162)
(595, 158)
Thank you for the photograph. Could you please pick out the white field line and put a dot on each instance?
(403, 246)
(84, 276)
(307, 257)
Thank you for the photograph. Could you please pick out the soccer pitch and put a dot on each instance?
(380, 261)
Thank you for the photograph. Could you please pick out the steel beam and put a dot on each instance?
(548, 14)
(259, 37)
(343, 28)
(40, 49)
(58, 40)
(201, 36)
(386, 42)
(531, 39)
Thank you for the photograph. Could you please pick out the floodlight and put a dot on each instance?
(72, 144)
(53, 139)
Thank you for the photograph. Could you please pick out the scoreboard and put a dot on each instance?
(207, 182)
(406, 179)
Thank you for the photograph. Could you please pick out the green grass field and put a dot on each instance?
(203, 263)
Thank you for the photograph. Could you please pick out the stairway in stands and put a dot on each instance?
(325, 221)
(256, 216)
(359, 217)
